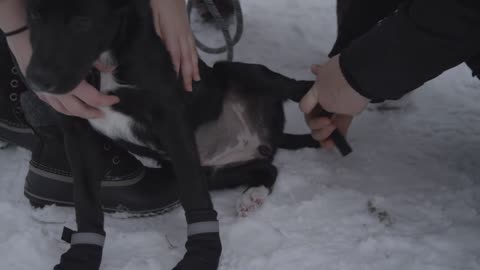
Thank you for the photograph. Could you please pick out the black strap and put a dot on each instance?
(337, 137)
(18, 31)
(67, 234)
(78, 238)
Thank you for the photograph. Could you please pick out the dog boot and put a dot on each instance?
(27, 121)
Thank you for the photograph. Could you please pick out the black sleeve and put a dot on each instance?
(355, 18)
(422, 39)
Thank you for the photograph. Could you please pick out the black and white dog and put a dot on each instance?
(223, 134)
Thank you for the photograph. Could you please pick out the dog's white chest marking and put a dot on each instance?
(230, 139)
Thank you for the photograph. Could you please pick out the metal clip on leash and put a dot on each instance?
(223, 25)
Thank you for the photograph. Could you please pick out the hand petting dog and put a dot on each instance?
(83, 101)
(172, 25)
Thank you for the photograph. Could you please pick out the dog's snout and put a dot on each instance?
(41, 80)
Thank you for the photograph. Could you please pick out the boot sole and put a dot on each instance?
(40, 203)
(44, 189)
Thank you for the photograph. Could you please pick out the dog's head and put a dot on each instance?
(67, 37)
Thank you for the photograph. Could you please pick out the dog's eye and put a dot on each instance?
(81, 24)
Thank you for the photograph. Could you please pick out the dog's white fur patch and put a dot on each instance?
(147, 162)
(106, 58)
(115, 124)
(230, 139)
(251, 200)
(108, 83)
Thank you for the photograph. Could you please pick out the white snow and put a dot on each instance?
(416, 169)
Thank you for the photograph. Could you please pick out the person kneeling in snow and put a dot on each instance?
(386, 49)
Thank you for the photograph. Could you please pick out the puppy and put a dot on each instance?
(223, 134)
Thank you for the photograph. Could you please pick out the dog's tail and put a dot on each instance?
(295, 142)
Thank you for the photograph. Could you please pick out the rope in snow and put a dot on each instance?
(223, 25)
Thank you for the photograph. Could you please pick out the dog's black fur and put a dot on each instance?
(68, 36)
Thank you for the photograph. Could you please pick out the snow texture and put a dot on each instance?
(407, 198)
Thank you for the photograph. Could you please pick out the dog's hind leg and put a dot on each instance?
(82, 145)
(264, 82)
(261, 81)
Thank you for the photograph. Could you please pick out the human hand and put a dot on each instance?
(84, 101)
(332, 91)
(322, 127)
(172, 25)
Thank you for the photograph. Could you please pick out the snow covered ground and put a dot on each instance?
(407, 198)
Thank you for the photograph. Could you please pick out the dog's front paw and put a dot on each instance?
(81, 257)
(251, 200)
(203, 252)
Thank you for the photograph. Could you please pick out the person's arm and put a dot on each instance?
(420, 41)
(12, 17)
(12, 14)
(172, 25)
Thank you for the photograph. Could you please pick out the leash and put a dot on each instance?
(224, 28)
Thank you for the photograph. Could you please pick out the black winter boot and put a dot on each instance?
(127, 185)
(28, 122)
(13, 127)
